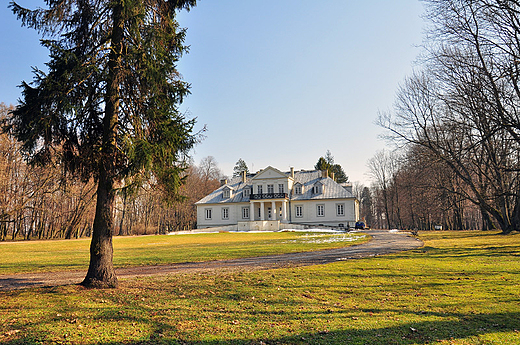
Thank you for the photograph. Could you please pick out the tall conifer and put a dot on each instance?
(108, 106)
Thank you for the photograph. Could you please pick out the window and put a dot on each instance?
(226, 193)
(320, 210)
(270, 189)
(225, 213)
(299, 211)
(317, 189)
(260, 189)
(245, 212)
(340, 209)
(298, 189)
(247, 192)
(280, 188)
(208, 213)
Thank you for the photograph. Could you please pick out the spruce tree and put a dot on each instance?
(327, 163)
(240, 166)
(108, 106)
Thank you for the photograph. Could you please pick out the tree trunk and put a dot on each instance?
(487, 222)
(101, 273)
(387, 211)
(121, 232)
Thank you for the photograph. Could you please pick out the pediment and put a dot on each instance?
(269, 173)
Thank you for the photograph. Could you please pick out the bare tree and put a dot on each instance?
(208, 169)
(382, 169)
(463, 106)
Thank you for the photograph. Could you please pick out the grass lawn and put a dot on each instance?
(48, 256)
(461, 288)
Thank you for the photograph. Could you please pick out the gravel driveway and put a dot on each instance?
(383, 242)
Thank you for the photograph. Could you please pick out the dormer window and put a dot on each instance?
(298, 189)
(226, 193)
(247, 191)
(317, 189)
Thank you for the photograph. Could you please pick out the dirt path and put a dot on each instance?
(383, 242)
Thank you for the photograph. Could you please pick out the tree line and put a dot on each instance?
(412, 190)
(37, 202)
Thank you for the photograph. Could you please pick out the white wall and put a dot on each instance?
(235, 214)
(309, 213)
(330, 218)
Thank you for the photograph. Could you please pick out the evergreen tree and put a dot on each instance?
(239, 167)
(108, 106)
(322, 164)
(327, 163)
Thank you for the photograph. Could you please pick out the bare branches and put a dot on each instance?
(462, 107)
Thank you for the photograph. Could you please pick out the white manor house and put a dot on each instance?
(275, 200)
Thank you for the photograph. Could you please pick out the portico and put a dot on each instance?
(273, 209)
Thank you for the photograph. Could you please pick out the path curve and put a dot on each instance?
(383, 242)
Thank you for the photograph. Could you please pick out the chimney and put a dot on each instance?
(332, 176)
(223, 182)
(244, 176)
(324, 173)
(292, 172)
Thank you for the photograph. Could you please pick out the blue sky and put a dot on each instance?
(276, 82)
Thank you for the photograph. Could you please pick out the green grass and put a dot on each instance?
(48, 256)
(461, 288)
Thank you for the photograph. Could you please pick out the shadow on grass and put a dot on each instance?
(425, 332)
(462, 327)
(465, 252)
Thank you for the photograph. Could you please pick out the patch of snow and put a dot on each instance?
(316, 239)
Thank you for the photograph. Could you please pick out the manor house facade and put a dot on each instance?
(274, 200)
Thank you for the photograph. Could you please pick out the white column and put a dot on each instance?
(262, 212)
(274, 211)
(284, 210)
(251, 211)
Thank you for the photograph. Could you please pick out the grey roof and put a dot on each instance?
(331, 189)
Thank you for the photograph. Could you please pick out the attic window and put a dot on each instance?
(226, 194)
(317, 189)
(247, 191)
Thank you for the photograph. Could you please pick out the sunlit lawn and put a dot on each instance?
(461, 288)
(46, 256)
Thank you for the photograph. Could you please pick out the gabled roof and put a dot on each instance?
(307, 179)
(269, 173)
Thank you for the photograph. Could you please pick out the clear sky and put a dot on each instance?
(276, 82)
